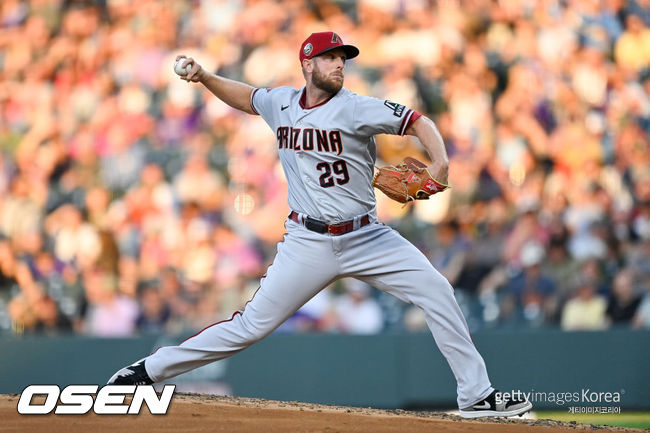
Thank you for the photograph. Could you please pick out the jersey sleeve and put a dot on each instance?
(375, 116)
(261, 100)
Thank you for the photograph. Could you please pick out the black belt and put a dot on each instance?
(333, 229)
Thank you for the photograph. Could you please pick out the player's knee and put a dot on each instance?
(438, 284)
(440, 280)
(444, 286)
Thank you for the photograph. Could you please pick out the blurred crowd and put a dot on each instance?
(134, 202)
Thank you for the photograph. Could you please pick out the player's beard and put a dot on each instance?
(324, 83)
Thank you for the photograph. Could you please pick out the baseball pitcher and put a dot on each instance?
(325, 140)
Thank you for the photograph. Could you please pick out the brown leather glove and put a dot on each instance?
(408, 180)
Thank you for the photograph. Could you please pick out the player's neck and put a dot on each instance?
(315, 96)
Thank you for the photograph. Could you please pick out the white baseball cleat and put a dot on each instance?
(491, 406)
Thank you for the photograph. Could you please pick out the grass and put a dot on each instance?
(623, 419)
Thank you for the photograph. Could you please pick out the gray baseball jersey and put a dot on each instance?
(328, 151)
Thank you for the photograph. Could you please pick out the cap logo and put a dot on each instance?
(336, 39)
(308, 49)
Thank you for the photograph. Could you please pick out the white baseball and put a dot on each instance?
(178, 67)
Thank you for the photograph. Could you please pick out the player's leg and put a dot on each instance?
(383, 258)
(302, 267)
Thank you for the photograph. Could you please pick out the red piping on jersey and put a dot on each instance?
(214, 324)
(303, 100)
(227, 320)
(218, 323)
(236, 312)
(251, 101)
(414, 115)
(404, 121)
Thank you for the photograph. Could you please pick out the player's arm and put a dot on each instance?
(426, 131)
(233, 93)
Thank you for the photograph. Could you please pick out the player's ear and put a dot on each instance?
(308, 65)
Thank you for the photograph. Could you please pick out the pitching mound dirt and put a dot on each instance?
(202, 413)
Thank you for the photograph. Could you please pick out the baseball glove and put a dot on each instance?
(406, 181)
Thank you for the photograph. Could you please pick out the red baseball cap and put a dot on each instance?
(319, 43)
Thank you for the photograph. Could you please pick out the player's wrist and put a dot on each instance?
(202, 76)
(439, 171)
